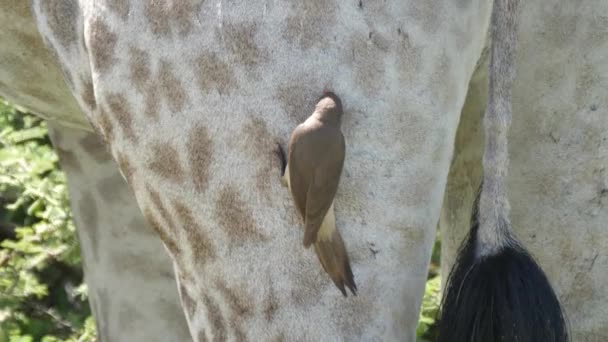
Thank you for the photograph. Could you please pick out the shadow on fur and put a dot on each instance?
(501, 297)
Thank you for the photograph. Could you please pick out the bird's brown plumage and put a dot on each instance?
(316, 157)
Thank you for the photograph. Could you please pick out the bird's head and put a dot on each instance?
(329, 106)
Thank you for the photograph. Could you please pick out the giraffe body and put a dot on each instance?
(188, 95)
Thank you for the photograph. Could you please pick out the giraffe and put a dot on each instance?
(174, 89)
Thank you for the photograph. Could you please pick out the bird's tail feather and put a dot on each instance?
(334, 258)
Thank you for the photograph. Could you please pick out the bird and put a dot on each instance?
(312, 173)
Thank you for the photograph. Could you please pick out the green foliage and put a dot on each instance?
(42, 297)
(425, 331)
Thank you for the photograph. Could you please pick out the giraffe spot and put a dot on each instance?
(62, 16)
(172, 89)
(119, 7)
(187, 301)
(239, 302)
(169, 242)
(235, 217)
(368, 65)
(68, 160)
(151, 102)
(214, 316)
(126, 168)
(271, 303)
(102, 43)
(167, 17)
(94, 147)
(89, 218)
(139, 68)
(199, 156)
(311, 21)
(213, 73)
(112, 188)
(260, 142)
(240, 40)
(202, 247)
(160, 207)
(105, 125)
(297, 100)
(87, 94)
(165, 162)
(119, 107)
(428, 13)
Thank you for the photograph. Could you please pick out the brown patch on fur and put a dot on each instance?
(119, 107)
(296, 100)
(271, 303)
(235, 217)
(152, 102)
(213, 73)
(120, 7)
(202, 246)
(215, 318)
(240, 40)
(199, 156)
(89, 216)
(202, 337)
(368, 64)
(409, 58)
(95, 147)
(68, 160)
(428, 13)
(164, 236)
(165, 162)
(311, 21)
(188, 302)
(160, 207)
(105, 125)
(238, 300)
(172, 89)
(102, 43)
(260, 142)
(139, 68)
(62, 18)
(125, 167)
(87, 94)
(167, 17)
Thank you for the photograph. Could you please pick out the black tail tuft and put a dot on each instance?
(501, 297)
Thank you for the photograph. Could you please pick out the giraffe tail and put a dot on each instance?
(333, 256)
(495, 290)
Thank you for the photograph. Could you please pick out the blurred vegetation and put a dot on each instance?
(42, 294)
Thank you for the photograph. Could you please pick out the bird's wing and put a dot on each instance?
(322, 189)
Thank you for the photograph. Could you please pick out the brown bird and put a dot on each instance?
(314, 166)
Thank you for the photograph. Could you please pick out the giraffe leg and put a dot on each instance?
(132, 288)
